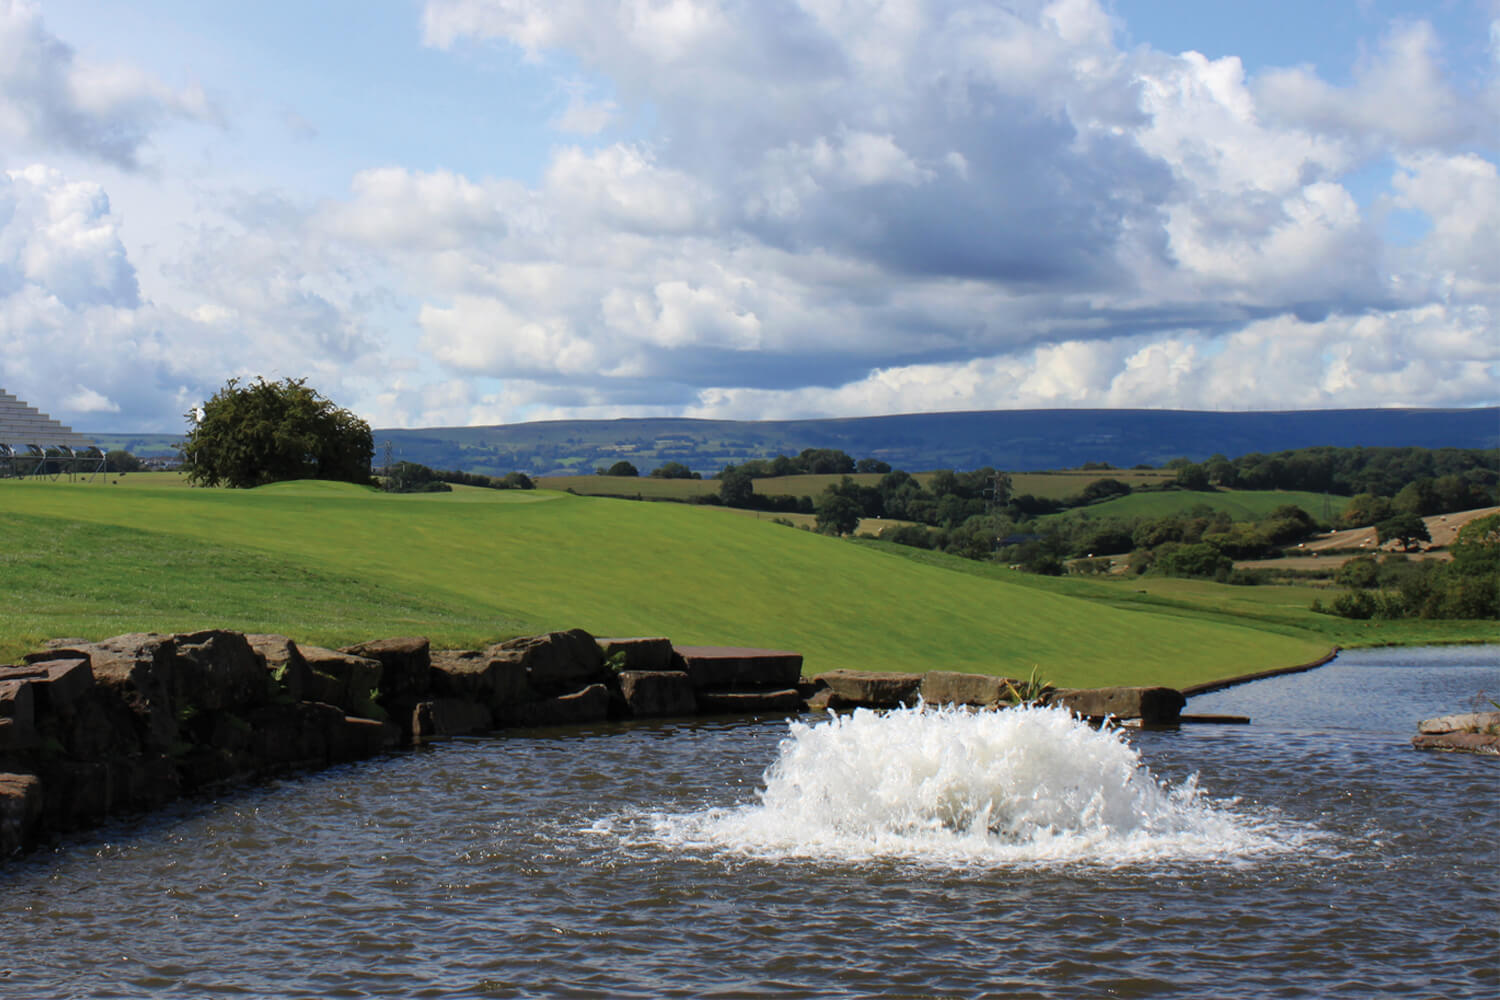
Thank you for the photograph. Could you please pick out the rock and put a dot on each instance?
(555, 663)
(20, 812)
(945, 687)
(442, 718)
(579, 708)
(140, 670)
(341, 679)
(17, 716)
(405, 665)
(475, 676)
(1487, 743)
(1152, 705)
(657, 693)
(100, 726)
(284, 661)
(726, 667)
(75, 793)
(217, 669)
(721, 702)
(355, 738)
(823, 700)
(873, 689)
(58, 685)
(653, 653)
(286, 736)
(1468, 722)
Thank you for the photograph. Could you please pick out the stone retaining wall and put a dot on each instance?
(91, 730)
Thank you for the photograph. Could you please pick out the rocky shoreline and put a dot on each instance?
(93, 730)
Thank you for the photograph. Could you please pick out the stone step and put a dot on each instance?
(736, 668)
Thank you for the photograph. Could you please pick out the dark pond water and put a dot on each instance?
(924, 855)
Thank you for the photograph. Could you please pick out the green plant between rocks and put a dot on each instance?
(1032, 691)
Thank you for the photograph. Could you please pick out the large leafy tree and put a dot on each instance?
(265, 432)
(1403, 528)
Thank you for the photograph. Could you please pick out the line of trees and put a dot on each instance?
(412, 477)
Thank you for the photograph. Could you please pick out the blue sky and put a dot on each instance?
(483, 211)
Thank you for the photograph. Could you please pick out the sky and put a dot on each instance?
(459, 212)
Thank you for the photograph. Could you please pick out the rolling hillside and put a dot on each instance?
(331, 563)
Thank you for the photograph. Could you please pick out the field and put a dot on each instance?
(1240, 505)
(331, 564)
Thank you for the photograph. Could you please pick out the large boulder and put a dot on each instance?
(293, 735)
(140, 670)
(872, 689)
(442, 718)
(341, 679)
(732, 668)
(57, 685)
(17, 716)
(1152, 705)
(217, 669)
(405, 666)
(657, 693)
(579, 708)
(638, 653)
(476, 676)
(555, 663)
(945, 687)
(1464, 722)
(284, 662)
(1471, 732)
(99, 726)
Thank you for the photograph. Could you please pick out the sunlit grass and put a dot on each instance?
(338, 563)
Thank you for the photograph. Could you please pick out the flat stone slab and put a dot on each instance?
(1152, 705)
(638, 652)
(1461, 742)
(737, 667)
(657, 693)
(872, 689)
(1467, 722)
(946, 687)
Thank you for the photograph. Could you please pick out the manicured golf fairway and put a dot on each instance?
(332, 563)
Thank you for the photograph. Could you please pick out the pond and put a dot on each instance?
(1311, 853)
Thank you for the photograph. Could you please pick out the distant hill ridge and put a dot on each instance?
(1017, 440)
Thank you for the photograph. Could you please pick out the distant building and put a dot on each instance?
(32, 442)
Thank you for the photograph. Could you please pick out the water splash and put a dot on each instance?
(1026, 785)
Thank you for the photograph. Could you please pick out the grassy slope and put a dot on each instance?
(335, 563)
(1283, 609)
(1239, 504)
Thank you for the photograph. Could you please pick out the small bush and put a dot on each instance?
(1356, 604)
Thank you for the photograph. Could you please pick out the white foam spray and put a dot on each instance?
(1021, 786)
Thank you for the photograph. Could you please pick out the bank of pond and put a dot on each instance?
(94, 730)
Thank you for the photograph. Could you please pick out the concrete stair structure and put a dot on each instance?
(22, 425)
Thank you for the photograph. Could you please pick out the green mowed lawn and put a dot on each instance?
(333, 563)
